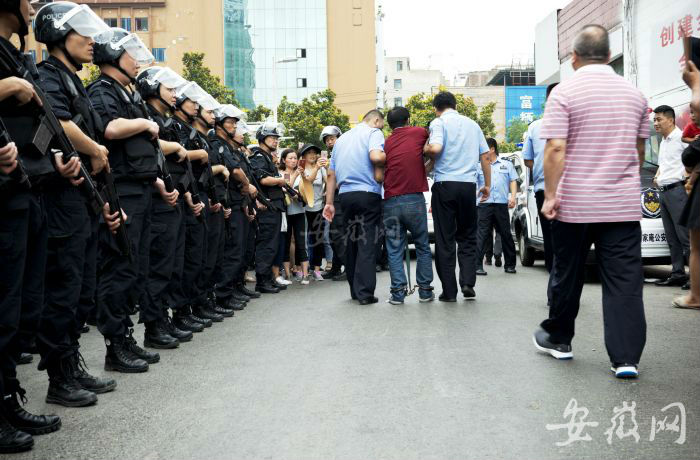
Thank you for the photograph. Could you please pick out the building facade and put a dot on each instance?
(402, 82)
(263, 49)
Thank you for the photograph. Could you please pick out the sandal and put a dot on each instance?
(679, 302)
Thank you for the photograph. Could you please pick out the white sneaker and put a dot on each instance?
(625, 371)
(317, 276)
(282, 281)
(305, 280)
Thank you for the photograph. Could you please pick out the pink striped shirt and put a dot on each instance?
(601, 115)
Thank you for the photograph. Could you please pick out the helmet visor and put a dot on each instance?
(231, 111)
(242, 128)
(166, 77)
(271, 127)
(85, 22)
(208, 103)
(191, 91)
(133, 45)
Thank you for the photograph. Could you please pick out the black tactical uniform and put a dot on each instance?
(72, 251)
(23, 247)
(133, 164)
(232, 274)
(269, 220)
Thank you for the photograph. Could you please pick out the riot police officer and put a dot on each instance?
(24, 167)
(156, 85)
(229, 284)
(133, 159)
(329, 135)
(269, 219)
(189, 294)
(216, 184)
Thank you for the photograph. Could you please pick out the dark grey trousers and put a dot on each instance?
(672, 204)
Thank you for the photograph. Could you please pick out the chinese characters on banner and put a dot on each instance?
(623, 423)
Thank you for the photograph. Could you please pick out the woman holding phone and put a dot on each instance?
(312, 187)
(296, 218)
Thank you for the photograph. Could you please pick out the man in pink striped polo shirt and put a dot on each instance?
(595, 124)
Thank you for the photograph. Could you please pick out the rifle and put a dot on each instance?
(88, 186)
(161, 162)
(18, 174)
(261, 196)
(288, 189)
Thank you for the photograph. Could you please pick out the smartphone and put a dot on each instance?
(691, 49)
(302, 163)
(287, 177)
(324, 154)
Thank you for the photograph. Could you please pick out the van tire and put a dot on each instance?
(527, 254)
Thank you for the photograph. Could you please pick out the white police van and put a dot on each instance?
(527, 228)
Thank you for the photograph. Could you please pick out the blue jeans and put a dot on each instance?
(407, 213)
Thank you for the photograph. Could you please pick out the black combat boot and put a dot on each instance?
(173, 331)
(221, 307)
(13, 440)
(241, 288)
(182, 321)
(240, 297)
(157, 337)
(15, 415)
(64, 389)
(204, 312)
(131, 345)
(120, 359)
(267, 287)
(89, 382)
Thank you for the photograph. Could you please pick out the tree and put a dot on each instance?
(93, 72)
(516, 129)
(305, 121)
(196, 71)
(260, 113)
(422, 113)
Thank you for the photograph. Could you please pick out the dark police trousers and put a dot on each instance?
(267, 241)
(87, 307)
(165, 225)
(69, 232)
(23, 239)
(454, 214)
(619, 256)
(195, 254)
(215, 250)
(174, 293)
(495, 215)
(117, 276)
(233, 264)
(362, 212)
(337, 235)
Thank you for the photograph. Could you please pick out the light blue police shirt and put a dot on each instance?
(502, 174)
(354, 171)
(534, 150)
(462, 142)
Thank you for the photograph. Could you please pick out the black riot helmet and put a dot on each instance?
(54, 21)
(149, 81)
(122, 41)
(269, 129)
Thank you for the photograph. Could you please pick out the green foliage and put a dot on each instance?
(93, 72)
(196, 71)
(516, 129)
(422, 113)
(260, 113)
(507, 147)
(305, 121)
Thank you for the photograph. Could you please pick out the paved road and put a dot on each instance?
(308, 374)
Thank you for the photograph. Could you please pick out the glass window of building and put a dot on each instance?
(111, 22)
(397, 83)
(44, 54)
(141, 24)
(159, 54)
(301, 53)
(126, 24)
(32, 53)
(301, 83)
(399, 66)
(398, 101)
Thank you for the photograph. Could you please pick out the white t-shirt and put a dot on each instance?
(671, 169)
(319, 199)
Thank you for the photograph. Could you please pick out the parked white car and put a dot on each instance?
(527, 229)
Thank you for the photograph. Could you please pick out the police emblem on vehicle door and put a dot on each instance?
(651, 204)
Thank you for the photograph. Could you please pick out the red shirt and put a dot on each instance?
(405, 172)
(691, 130)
